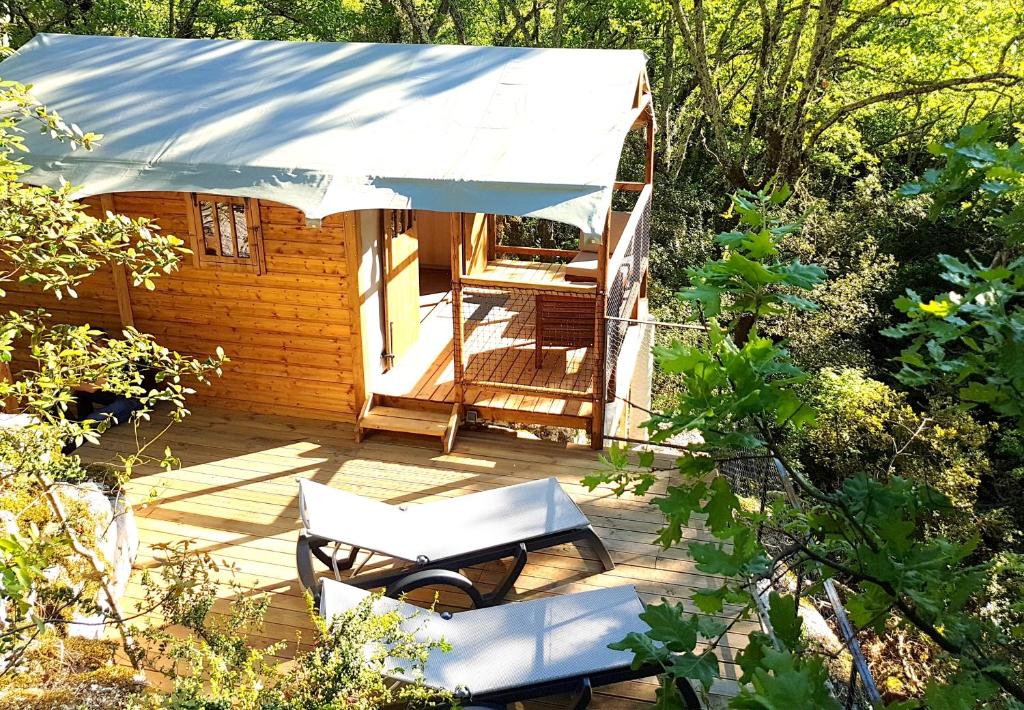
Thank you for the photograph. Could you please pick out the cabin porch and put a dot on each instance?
(499, 347)
(235, 496)
(506, 333)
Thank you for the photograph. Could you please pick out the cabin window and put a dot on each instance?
(401, 221)
(227, 232)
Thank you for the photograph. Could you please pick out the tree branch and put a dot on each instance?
(919, 90)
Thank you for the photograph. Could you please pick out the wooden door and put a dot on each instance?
(475, 236)
(401, 271)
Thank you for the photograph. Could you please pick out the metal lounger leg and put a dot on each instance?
(583, 695)
(602, 552)
(519, 562)
(436, 577)
(309, 547)
(304, 562)
(316, 547)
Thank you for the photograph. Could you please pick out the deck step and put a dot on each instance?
(410, 420)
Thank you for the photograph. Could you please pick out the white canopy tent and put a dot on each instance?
(330, 127)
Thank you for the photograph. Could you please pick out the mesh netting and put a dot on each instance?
(760, 478)
(625, 285)
(530, 340)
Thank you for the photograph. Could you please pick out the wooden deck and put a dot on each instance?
(500, 347)
(235, 495)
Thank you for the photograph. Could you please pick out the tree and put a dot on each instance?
(972, 337)
(49, 242)
(776, 81)
(741, 395)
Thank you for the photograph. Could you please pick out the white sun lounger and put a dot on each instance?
(522, 650)
(439, 538)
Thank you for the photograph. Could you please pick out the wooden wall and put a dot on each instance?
(289, 332)
(474, 245)
(434, 230)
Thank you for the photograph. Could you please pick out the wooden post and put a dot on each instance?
(649, 154)
(353, 241)
(121, 288)
(8, 404)
(597, 421)
(492, 237)
(604, 254)
(458, 326)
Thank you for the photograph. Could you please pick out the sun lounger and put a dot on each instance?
(437, 539)
(522, 650)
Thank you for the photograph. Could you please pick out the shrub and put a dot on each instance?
(865, 426)
(217, 664)
(72, 674)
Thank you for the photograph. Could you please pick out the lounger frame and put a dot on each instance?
(580, 689)
(313, 547)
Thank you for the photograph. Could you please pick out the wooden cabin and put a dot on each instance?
(349, 208)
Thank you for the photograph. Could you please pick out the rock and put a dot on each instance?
(817, 629)
(117, 539)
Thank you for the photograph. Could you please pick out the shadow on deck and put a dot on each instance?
(235, 496)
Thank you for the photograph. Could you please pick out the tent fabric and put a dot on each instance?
(331, 127)
(441, 529)
(514, 645)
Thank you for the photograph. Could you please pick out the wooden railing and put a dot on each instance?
(502, 347)
(541, 252)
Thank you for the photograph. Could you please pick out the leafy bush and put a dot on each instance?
(70, 674)
(216, 664)
(971, 338)
(865, 426)
(884, 536)
(50, 568)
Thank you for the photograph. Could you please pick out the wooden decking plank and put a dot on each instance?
(235, 496)
(495, 355)
(401, 479)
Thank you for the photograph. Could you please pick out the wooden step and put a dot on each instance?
(444, 408)
(407, 421)
(376, 416)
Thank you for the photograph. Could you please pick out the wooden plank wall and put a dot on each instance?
(288, 332)
(434, 232)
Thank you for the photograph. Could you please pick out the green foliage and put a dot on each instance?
(864, 425)
(971, 338)
(853, 236)
(47, 242)
(1003, 498)
(217, 665)
(881, 532)
(726, 386)
(748, 280)
(671, 643)
(978, 176)
(70, 673)
(774, 90)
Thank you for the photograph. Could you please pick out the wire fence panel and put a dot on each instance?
(624, 283)
(530, 340)
(760, 478)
